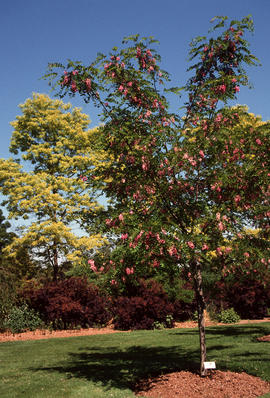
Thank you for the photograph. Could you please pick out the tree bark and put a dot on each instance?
(55, 262)
(201, 316)
(54, 248)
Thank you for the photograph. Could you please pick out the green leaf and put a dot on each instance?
(175, 90)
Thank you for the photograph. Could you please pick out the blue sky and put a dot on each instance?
(35, 32)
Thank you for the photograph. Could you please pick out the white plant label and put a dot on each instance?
(209, 365)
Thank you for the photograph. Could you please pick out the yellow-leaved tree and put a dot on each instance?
(56, 140)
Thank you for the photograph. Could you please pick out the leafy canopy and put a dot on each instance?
(181, 186)
(56, 140)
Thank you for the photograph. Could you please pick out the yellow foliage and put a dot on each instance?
(56, 139)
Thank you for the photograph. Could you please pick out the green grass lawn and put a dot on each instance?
(108, 365)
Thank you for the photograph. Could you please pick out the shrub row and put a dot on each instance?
(74, 302)
(69, 303)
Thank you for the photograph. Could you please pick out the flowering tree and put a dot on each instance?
(180, 186)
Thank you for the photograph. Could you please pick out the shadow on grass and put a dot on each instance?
(114, 368)
(231, 330)
(240, 330)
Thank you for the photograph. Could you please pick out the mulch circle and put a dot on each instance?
(264, 338)
(190, 385)
(218, 384)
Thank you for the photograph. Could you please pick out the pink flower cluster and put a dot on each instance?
(69, 80)
(93, 266)
(191, 245)
(146, 60)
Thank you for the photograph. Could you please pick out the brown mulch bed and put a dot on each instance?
(190, 385)
(46, 334)
(178, 384)
(264, 338)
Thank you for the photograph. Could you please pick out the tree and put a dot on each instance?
(5, 237)
(7, 290)
(182, 186)
(55, 139)
(21, 264)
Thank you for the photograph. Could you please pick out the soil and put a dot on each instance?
(217, 385)
(47, 334)
(264, 338)
(182, 384)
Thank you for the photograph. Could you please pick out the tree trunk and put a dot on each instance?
(55, 262)
(201, 316)
(54, 248)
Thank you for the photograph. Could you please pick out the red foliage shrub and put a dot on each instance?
(69, 303)
(150, 305)
(184, 311)
(249, 298)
